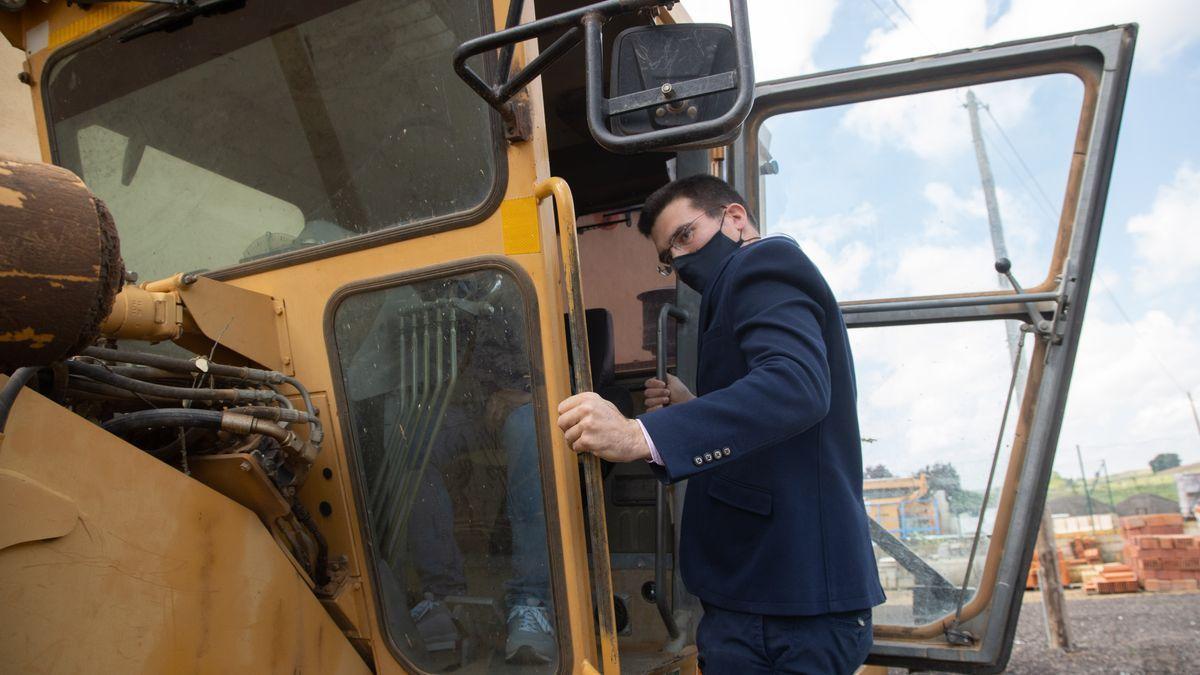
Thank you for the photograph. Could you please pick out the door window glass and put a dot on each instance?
(346, 112)
(436, 375)
(931, 405)
(886, 196)
(921, 195)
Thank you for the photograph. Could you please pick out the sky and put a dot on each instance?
(886, 198)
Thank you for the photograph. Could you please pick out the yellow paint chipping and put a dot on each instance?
(6, 274)
(39, 340)
(11, 197)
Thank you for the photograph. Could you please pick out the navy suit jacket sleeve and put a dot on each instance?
(766, 316)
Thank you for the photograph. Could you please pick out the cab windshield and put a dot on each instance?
(275, 127)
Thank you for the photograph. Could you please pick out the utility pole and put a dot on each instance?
(999, 248)
(1107, 483)
(1086, 492)
(1195, 415)
(1053, 602)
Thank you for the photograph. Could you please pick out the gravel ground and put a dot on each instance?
(1134, 633)
(1124, 633)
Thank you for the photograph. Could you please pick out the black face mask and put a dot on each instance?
(697, 269)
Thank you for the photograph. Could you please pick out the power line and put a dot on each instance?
(1024, 183)
(1050, 205)
(1137, 335)
(1038, 185)
(901, 8)
(885, 14)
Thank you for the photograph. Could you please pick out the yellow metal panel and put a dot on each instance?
(520, 222)
(97, 16)
(45, 514)
(161, 575)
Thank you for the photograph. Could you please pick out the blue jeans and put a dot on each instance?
(741, 644)
(436, 556)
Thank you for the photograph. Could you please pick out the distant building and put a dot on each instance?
(1077, 505)
(1145, 504)
(1187, 485)
(904, 506)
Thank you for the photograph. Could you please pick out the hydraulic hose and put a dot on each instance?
(12, 389)
(185, 365)
(189, 417)
(270, 413)
(163, 417)
(316, 432)
(100, 390)
(102, 374)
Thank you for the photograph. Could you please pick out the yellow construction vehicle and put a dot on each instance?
(287, 312)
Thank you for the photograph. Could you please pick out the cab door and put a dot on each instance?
(954, 203)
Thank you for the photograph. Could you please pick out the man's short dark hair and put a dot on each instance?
(703, 191)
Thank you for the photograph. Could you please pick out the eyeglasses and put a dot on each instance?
(682, 237)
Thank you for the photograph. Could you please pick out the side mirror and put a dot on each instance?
(700, 76)
(672, 77)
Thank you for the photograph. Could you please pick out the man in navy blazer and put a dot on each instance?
(774, 536)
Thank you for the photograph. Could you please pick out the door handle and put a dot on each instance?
(593, 481)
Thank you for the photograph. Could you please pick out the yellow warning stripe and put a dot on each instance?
(98, 16)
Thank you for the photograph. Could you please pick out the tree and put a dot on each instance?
(943, 476)
(877, 471)
(1164, 461)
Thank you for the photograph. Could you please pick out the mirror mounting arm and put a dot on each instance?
(701, 134)
(586, 24)
(506, 41)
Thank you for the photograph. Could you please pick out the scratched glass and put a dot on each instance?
(273, 128)
(436, 376)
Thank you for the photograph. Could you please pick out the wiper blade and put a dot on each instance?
(179, 16)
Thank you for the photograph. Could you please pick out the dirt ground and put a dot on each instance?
(1133, 633)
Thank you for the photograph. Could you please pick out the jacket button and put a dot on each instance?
(698, 460)
(726, 452)
(708, 456)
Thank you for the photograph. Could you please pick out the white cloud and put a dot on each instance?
(1167, 27)
(842, 267)
(932, 394)
(784, 33)
(930, 269)
(835, 246)
(828, 230)
(1128, 399)
(949, 207)
(933, 125)
(1028, 235)
(1167, 239)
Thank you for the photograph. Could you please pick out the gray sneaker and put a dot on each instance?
(435, 625)
(530, 635)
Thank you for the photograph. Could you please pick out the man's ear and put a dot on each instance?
(740, 216)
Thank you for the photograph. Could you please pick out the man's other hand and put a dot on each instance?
(594, 425)
(659, 393)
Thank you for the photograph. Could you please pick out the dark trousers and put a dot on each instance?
(741, 644)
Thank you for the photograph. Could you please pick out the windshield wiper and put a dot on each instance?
(180, 15)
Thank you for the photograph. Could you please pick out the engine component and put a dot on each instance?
(60, 264)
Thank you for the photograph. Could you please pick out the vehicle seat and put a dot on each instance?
(601, 357)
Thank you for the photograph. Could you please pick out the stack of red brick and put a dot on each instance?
(1087, 550)
(1031, 581)
(1112, 578)
(1163, 558)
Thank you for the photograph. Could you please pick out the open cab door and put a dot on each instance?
(964, 286)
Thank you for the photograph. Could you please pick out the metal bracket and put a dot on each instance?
(959, 637)
(1038, 324)
(251, 324)
(586, 24)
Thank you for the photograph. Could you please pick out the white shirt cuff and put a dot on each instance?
(654, 457)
